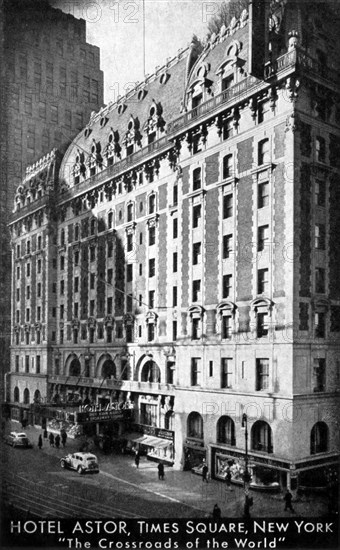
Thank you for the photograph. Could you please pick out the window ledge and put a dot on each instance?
(263, 167)
(227, 181)
(196, 193)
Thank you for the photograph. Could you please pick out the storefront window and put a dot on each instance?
(148, 414)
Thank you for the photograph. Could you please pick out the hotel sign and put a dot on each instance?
(97, 413)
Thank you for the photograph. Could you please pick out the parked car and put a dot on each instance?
(81, 462)
(18, 439)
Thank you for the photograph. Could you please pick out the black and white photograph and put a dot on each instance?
(170, 274)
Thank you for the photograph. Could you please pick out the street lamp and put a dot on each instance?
(246, 474)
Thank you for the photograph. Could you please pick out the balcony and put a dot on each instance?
(110, 383)
(30, 208)
(117, 169)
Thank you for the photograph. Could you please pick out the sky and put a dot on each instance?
(116, 27)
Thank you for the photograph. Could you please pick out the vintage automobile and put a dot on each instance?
(81, 462)
(18, 439)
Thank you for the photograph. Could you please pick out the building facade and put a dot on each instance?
(182, 261)
(51, 82)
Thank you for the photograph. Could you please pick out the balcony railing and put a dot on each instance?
(30, 208)
(118, 168)
(111, 383)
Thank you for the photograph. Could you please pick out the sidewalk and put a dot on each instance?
(196, 497)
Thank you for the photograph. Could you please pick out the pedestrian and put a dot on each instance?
(40, 443)
(51, 439)
(205, 473)
(63, 438)
(161, 471)
(216, 513)
(247, 505)
(228, 479)
(137, 458)
(288, 501)
(57, 441)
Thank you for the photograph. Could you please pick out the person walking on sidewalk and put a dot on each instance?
(205, 473)
(40, 443)
(57, 441)
(137, 458)
(216, 513)
(288, 501)
(51, 438)
(161, 471)
(228, 479)
(63, 438)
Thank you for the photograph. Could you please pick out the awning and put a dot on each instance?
(148, 440)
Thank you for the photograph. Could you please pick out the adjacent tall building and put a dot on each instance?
(181, 258)
(50, 83)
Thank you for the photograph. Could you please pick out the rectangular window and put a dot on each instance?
(174, 262)
(227, 206)
(263, 111)
(129, 273)
(227, 82)
(263, 152)
(152, 267)
(129, 242)
(92, 254)
(28, 292)
(76, 309)
(320, 236)
(54, 114)
(262, 237)
(18, 294)
(226, 286)
(319, 374)
(62, 311)
(110, 276)
(196, 253)
(152, 236)
(129, 302)
(175, 228)
(196, 290)
(27, 314)
(320, 325)
(195, 371)
(226, 327)
(38, 313)
(227, 166)
(92, 305)
(109, 250)
(196, 101)
(195, 328)
(263, 195)
(175, 194)
(151, 332)
(262, 374)
(27, 364)
(109, 305)
(262, 324)
(62, 287)
(174, 330)
(151, 299)
(320, 280)
(227, 246)
(227, 129)
(262, 281)
(140, 270)
(196, 215)
(28, 270)
(174, 296)
(17, 363)
(196, 179)
(320, 149)
(226, 372)
(320, 193)
(76, 282)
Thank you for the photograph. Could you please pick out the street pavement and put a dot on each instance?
(190, 496)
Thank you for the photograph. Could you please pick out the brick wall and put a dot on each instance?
(279, 219)
(212, 169)
(162, 196)
(244, 238)
(185, 253)
(185, 180)
(162, 264)
(245, 154)
(211, 252)
(305, 229)
(279, 140)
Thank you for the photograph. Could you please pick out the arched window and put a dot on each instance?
(195, 425)
(109, 369)
(261, 437)
(130, 212)
(26, 396)
(75, 367)
(152, 203)
(151, 372)
(226, 430)
(319, 438)
(16, 395)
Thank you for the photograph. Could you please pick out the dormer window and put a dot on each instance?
(197, 100)
(129, 150)
(151, 137)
